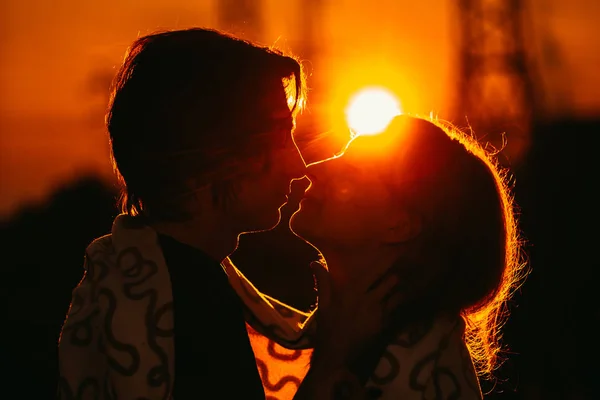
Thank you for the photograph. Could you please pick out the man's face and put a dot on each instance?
(348, 203)
(264, 187)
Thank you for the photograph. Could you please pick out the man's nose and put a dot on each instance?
(296, 165)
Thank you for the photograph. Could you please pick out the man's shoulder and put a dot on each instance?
(100, 244)
(101, 250)
(126, 260)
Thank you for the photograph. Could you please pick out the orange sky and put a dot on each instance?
(51, 121)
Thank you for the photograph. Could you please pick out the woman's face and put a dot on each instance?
(348, 203)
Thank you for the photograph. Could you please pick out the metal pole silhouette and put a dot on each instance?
(241, 17)
(495, 85)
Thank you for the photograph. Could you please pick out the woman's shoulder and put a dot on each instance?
(428, 360)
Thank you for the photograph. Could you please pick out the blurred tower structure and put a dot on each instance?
(310, 47)
(308, 42)
(243, 17)
(496, 91)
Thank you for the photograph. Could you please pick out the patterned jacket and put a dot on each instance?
(118, 334)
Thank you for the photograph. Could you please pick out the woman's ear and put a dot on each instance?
(403, 226)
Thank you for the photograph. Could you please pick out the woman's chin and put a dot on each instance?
(300, 226)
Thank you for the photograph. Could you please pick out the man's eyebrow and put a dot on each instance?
(284, 123)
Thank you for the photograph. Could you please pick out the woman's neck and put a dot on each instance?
(347, 266)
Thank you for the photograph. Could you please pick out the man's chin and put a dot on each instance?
(266, 225)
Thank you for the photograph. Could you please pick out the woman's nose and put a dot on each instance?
(315, 171)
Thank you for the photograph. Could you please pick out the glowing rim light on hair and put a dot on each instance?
(370, 111)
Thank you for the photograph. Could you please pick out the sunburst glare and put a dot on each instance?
(370, 110)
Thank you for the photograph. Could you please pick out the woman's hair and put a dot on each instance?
(194, 104)
(470, 240)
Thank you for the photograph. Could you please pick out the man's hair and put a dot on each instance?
(191, 106)
(470, 241)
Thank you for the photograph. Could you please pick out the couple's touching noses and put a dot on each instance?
(415, 226)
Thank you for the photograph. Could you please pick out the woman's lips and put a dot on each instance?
(310, 197)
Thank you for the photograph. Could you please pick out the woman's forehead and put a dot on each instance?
(369, 149)
(376, 162)
(364, 163)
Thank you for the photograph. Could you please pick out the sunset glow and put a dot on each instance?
(370, 110)
(52, 118)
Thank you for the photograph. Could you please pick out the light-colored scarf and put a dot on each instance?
(119, 333)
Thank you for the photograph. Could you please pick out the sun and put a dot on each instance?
(371, 109)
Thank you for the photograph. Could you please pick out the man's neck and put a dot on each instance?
(216, 239)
